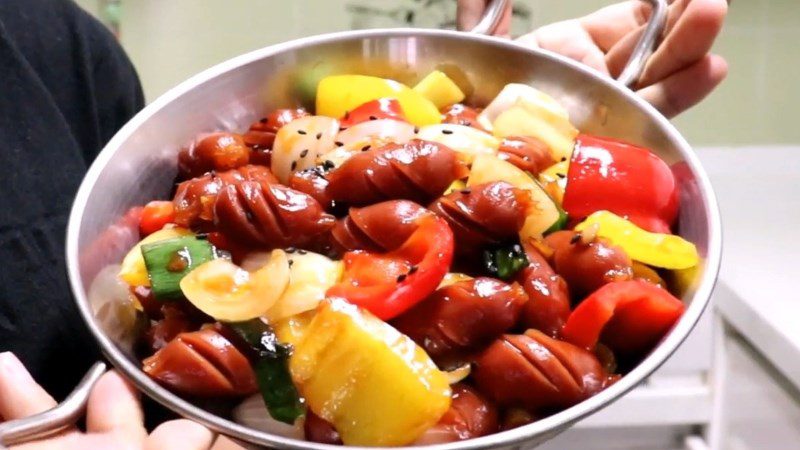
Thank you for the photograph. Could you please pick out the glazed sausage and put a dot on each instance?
(548, 304)
(380, 227)
(462, 316)
(460, 114)
(204, 364)
(587, 266)
(174, 321)
(312, 181)
(470, 415)
(317, 429)
(261, 135)
(486, 214)
(536, 372)
(527, 153)
(216, 151)
(194, 199)
(270, 215)
(418, 171)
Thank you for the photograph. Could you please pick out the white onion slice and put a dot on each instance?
(467, 141)
(300, 142)
(114, 307)
(252, 412)
(373, 131)
(509, 96)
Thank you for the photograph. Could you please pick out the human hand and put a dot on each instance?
(113, 417)
(681, 72)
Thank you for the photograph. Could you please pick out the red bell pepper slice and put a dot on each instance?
(630, 181)
(155, 215)
(382, 108)
(627, 316)
(387, 284)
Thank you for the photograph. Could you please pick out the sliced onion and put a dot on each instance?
(300, 142)
(226, 292)
(338, 156)
(253, 413)
(458, 374)
(374, 131)
(114, 307)
(467, 141)
(508, 97)
(310, 276)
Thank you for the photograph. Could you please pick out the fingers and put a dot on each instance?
(114, 408)
(609, 25)
(20, 395)
(180, 435)
(687, 87)
(469, 12)
(689, 41)
(568, 38)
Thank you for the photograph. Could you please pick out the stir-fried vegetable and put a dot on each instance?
(440, 89)
(467, 141)
(656, 249)
(300, 142)
(375, 385)
(229, 293)
(338, 94)
(133, 270)
(155, 216)
(270, 364)
(169, 261)
(505, 262)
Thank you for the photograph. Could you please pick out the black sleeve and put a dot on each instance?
(67, 87)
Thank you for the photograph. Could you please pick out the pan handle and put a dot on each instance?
(491, 18)
(55, 420)
(646, 45)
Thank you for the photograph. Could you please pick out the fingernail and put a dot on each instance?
(11, 367)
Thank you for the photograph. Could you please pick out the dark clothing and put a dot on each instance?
(66, 86)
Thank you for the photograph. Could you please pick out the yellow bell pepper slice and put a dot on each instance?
(440, 89)
(133, 270)
(338, 94)
(292, 330)
(659, 250)
(374, 384)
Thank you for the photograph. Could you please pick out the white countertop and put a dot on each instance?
(758, 189)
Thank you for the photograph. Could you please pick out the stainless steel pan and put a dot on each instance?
(139, 164)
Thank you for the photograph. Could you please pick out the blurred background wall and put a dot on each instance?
(169, 41)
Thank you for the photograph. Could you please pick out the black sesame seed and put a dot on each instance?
(413, 270)
(301, 131)
(304, 153)
(290, 250)
(328, 164)
(466, 191)
(447, 131)
(401, 278)
(263, 120)
(563, 158)
(574, 239)
(365, 148)
(466, 123)
(291, 261)
(561, 175)
(294, 165)
(342, 128)
(301, 251)
(373, 118)
(416, 130)
(339, 143)
(319, 135)
(346, 115)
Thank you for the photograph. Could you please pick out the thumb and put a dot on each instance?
(180, 434)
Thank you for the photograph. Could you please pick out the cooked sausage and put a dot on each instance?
(194, 199)
(536, 372)
(313, 182)
(269, 215)
(202, 363)
(470, 415)
(587, 265)
(482, 215)
(548, 304)
(216, 151)
(317, 429)
(461, 114)
(527, 153)
(261, 135)
(458, 318)
(379, 228)
(418, 171)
